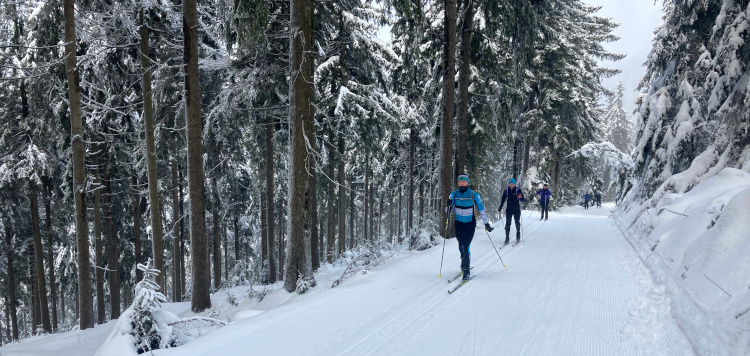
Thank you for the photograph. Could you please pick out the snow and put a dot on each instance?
(575, 286)
(698, 245)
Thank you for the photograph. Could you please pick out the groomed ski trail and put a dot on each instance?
(568, 290)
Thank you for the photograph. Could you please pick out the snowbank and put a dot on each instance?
(697, 245)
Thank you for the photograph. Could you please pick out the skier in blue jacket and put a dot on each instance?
(462, 203)
(514, 196)
(586, 198)
(544, 195)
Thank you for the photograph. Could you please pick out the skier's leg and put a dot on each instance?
(508, 215)
(517, 217)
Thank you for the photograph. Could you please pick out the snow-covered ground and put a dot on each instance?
(576, 287)
(698, 246)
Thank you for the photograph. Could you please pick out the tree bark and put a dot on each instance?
(176, 292)
(50, 251)
(342, 197)
(137, 226)
(201, 299)
(79, 168)
(313, 209)
(371, 199)
(157, 237)
(101, 313)
(446, 128)
(331, 249)
(113, 254)
(352, 196)
(183, 275)
(301, 96)
(217, 238)
(410, 199)
(270, 238)
(463, 87)
(11, 280)
(366, 200)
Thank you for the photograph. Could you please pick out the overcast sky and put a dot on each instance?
(637, 19)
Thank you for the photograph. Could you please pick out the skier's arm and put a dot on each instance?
(502, 202)
(449, 203)
(520, 195)
(480, 207)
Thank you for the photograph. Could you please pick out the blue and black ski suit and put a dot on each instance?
(598, 199)
(586, 198)
(514, 197)
(544, 195)
(462, 204)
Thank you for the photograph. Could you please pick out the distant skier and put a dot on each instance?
(544, 195)
(462, 202)
(586, 198)
(598, 199)
(514, 196)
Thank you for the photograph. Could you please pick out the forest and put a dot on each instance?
(253, 141)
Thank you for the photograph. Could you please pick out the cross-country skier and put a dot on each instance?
(462, 202)
(514, 196)
(586, 198)
(544, 195)
(598, 199)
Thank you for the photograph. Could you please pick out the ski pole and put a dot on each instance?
(523, 236)
(493, 246)
(440, 275)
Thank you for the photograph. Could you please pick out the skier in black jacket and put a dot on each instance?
(514, 196)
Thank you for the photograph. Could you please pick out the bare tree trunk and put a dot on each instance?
(313, 209)
(463, 87)
(11, 280)
(380, 217)
(101, 314)
(342, 197)
(270, 129)
(366, 200)
(371, 199)
(183, 275)
(176, 292)
(352, 196)
(301, 96)
(137, 226)
(226, 253)
(446, 128)
(525, 163)
(331, 250)
(421, 203)
(398, 222)
(390, 220)
(79, 168)
(157, 237)
(47, 188)
(217, 238)
(34, 293)
(237, 241)
(112, 248)
(410, 199)
(201, 299)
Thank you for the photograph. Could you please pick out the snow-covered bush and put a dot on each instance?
(142, 328)
(303, 285)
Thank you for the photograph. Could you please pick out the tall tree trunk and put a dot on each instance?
(313, 209)
(226, 253)
(446, 128)
(183, 275)
(237, 241)
(380, 217)
(342, 197)
(217, 238)
(352, 196)
(410, 199)
(62, 304)
(50, 253)
(463, 86)
(101, 313)
(201, 299)
(331, 240)
(371, 199)
(390, 220)
(421, 203)
(157, 237)
(112, 248)
(176, 292)
(270, 238)
(301, 96)
(525, 163)
(137, 226)
(34, 293)
(11, 280)
(79, 168)
(366, 201)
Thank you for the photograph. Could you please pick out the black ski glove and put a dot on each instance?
(488, 227)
